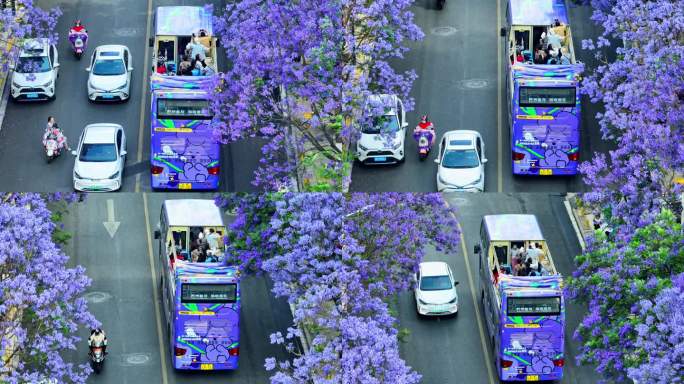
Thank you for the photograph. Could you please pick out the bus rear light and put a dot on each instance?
(214, 170)
(180, 351)
(573, 156)
(559, 362)
(156, 170)
(517, 156)
(506, 363)
(234, 351)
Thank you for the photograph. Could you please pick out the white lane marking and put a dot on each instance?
(160, 334)
(476, 304)
(499, 187)
(143, 95)
(111, 225)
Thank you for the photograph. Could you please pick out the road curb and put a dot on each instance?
(305, 338)
(582, 221)
(4, 96)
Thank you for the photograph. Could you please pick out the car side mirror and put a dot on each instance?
(484, 161)
(151, 42)
(88, 69)
(124, 153)
(455, 283)
(130, 69)
(74, 153)
(477, 248)
(404, 125)
(56, 65)
(157, 234)
(436, 161)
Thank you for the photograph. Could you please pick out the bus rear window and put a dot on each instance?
(547, 96)
(183, 109)
(208, 293)
(534, 306)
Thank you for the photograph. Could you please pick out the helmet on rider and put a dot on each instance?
(424, 119)
(77, 23)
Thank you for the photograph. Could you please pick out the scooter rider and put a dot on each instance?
(53, 132)
(78, 28)
(98, 338)
(426, 125)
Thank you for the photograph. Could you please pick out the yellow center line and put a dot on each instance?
(499, 187)
(476, 304)
(150, 253)
(143, 95)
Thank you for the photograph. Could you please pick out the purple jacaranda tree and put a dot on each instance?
(41, 307)
(337, 259)
(660, 337)
(25, 22)
(643, 94)
(613, 278)
(301, 72)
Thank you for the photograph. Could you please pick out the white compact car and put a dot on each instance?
(461, 162)
(36, 71)
(383, 141)
(435, 289)
(110, 70)
(100, 158)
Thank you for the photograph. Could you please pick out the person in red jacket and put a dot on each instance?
(78, 27)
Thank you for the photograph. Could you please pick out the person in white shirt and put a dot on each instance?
(213, 239)
(533, 253)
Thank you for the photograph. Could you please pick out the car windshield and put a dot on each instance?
(98, 153)
(33, 64)
(435, 283)
(383, 124)
(461, 158)
(109, 67)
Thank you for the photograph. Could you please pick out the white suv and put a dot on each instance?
(110, 73)
(36, 71)
(383, 141)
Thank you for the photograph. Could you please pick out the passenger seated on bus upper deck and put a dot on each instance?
(185, 66)
(539, 55)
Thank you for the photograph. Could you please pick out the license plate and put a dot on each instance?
(532, 378)
(380, 159)
(32, 95)
(207, 367)
(545, 172)
(184, 186)
(107, 96)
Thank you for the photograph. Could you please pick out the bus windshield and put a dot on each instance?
(195, 109)
(547, 96)
(208, 293)
(534, 306)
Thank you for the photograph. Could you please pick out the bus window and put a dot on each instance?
(501, 254)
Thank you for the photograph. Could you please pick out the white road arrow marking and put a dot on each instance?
(111, 225)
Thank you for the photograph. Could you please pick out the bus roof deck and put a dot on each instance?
(174, 28)
(537, 12)
(513, 227)
(182, 21)
(532, 22)
(193, 213)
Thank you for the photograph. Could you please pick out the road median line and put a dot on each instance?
(155, 294)
(143, 98)
(476, 303)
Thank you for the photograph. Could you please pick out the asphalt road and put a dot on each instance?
(457, 86)
(22, 163)
(121, 297)
(452, 350)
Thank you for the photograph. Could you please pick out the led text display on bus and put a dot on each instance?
(534, 306)
(183, 108)
(208, 293)
(547, 96)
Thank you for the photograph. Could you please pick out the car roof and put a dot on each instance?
(434, 268)
(106, 51)
(388, 100)
(100, 133)
(35, 47)
(461, 139)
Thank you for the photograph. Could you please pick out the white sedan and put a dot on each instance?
(36, 71)
(110, 73)
(435, 290)
(383, 141)
(461, 162)
(100, 158)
